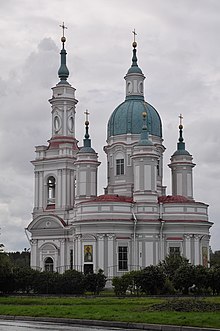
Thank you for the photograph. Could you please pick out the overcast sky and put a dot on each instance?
(178, 51)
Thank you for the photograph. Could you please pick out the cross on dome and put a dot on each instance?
(181, 119)
(87, 115)
(63, 27)
(135, 34)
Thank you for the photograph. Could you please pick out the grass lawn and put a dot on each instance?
(110, 309)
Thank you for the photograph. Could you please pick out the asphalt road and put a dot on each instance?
(37, 326)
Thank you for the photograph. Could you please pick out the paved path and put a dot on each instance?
(37, 326)
(26, 323)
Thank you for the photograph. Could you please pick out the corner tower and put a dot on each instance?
(86, 168)
(181, 166)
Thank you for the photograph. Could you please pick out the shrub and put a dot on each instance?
(151, 280)
(120, 285)
(95, 282)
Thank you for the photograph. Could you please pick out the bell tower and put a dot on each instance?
(54, 164)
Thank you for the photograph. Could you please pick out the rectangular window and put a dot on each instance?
(120, 167)
(174, 250)
(122, 258)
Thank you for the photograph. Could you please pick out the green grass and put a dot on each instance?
(110, 309)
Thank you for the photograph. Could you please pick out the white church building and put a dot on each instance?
(134, 224)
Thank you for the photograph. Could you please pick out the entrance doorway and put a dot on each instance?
(88, 269)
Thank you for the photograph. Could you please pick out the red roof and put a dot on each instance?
(112, 198)
(174, 199)
(55, 142)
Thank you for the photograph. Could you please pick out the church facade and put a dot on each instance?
(134, 224)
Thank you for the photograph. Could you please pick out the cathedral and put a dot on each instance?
(134, 224)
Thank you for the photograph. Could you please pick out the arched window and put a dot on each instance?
(48, 264)
(51, 186)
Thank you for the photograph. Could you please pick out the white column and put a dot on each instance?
(79, 253)
(157, 258)
(72, 188)
(100, 248)
(55, 261)
(134, 255)
(110, 255)
(58, 189)
(64, 188)
(41, 261)
(36, 190)
(197, 249)
(42, 203)
(62, 255)
(140, 254)
(68, 189)
(188, 247)
(34, 254)
(75, 253)
(162, 256)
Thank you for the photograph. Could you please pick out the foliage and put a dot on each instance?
(6, 277)
(151, 280)
(24, 279)
(20, 259)
(171, 263)
(120, 285)
(201, 279)
(95, 282)
(72, 282)
(214, 279)
(214, 258)
(184, 278)
(46, 283)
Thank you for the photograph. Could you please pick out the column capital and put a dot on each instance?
(110, 236)
(100, 236)
(197, 236)
(188, 236)
(77, 236)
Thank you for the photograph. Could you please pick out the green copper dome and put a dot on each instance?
(127, 118)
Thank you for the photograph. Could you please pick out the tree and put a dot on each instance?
(120, 285)
(151, 280)
(214, 279)
(20, 259)
(184, 277)
(171, 263)
(72, 282)
(95, 282)
(201, 278)
(6, 277)
(214, 258)
(24, 279)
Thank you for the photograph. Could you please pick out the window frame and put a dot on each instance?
(120, 166)
(122, 258)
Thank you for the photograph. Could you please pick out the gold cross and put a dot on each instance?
(87, 115)
(135, 34)
(63, 27)
(181, 119)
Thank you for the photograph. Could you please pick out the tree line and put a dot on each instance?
(174, 275)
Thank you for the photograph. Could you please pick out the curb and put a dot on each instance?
(123, 325)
